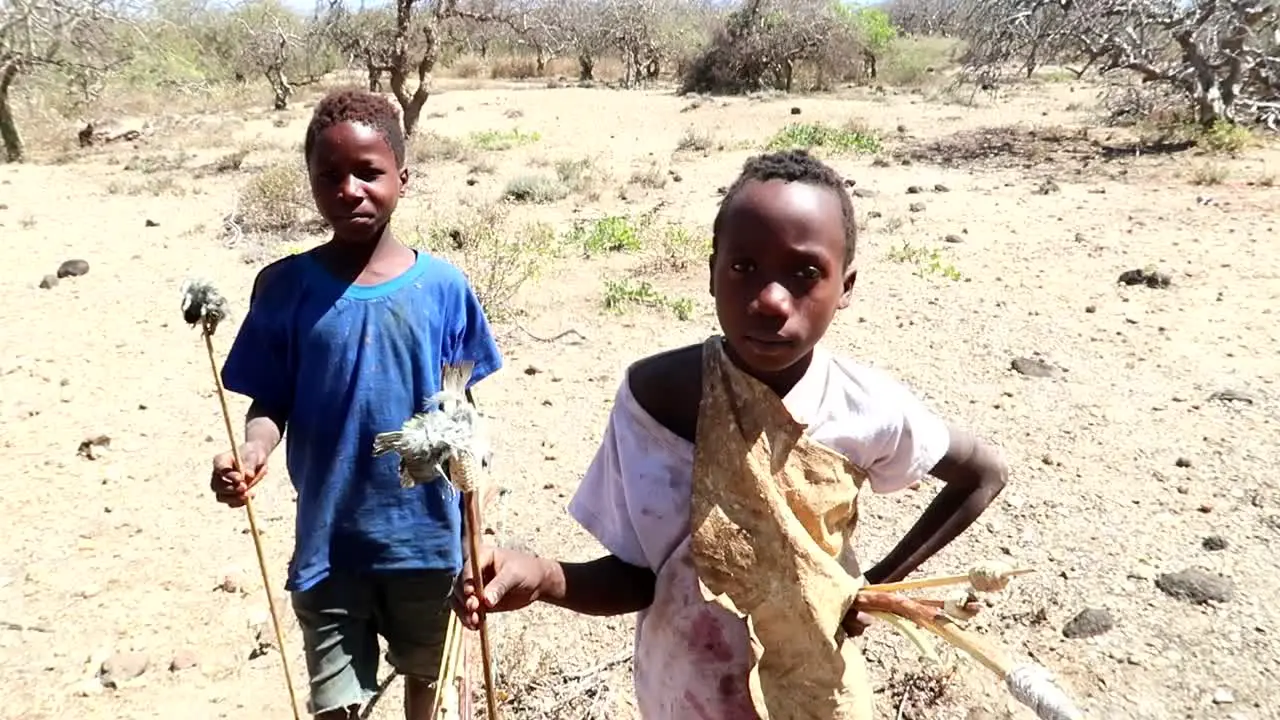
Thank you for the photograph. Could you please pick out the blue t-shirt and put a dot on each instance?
(345, 362)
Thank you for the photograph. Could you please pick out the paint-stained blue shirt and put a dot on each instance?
(343, 363)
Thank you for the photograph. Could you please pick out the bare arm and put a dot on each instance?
(974, 474)
(605, 586)
(263, 428)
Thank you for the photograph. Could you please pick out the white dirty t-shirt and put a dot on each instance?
(692, 657)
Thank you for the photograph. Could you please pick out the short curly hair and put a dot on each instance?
(795, 165)
(355, 105)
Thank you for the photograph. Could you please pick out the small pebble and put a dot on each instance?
(123, 667)
(183, 660)
(1088, 623)
(1196, 586)
(1223, 696)
(1214, 543)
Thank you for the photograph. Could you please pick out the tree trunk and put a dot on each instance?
(13, 149)
(586, 67)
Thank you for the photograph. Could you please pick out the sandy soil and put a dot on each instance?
(1123, 462)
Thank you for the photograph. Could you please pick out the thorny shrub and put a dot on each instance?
(276, 199)
(496, 260)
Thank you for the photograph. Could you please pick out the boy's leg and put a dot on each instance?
(413, 611)
(341, 643)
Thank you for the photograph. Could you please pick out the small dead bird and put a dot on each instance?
(449, 433)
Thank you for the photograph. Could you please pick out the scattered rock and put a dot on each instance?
(1091, 309)
(1223, 696)
(1196, 586)
(532, 370)
(915, 190)
(73, 268)
(1182, 462)
(916, 207)
(87, 688)
(795, 111)
(879, 162)
(902, 128)
(954, 239)
(1047, 187)
(123, 667)
(472, 182)
(1214, 543)
(1080, 238)
(184, 659)
(94, 447)
(1032, 367)
(151, 223)
(676, 177)
(874, 214)
(941, 188)
(862, 193)
(1231, 396)
(1088, 623)
(232, 582)
(48, 281)
(1150, 278)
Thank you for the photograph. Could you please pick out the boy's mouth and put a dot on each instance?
(769, 342)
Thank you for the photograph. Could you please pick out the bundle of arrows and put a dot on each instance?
(1030, 684)
(450, 435)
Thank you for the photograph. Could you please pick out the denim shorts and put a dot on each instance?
(342, 617)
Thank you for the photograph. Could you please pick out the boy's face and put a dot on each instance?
(355, 180)
(778, 273)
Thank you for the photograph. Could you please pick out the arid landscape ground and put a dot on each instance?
(1140, 425)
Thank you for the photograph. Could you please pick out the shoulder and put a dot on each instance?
(277, 275)
(668, 386)
(439, 274)
(875, 385)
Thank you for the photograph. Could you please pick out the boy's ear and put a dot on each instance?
(404, 179)
(850, 277)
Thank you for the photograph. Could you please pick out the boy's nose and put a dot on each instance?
(773, 299)
(349, 188)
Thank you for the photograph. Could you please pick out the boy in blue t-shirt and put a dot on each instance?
(339, 344)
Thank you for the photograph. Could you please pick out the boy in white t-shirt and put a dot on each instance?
(781, 266)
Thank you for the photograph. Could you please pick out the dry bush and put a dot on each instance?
(276, 199)
(537, 189)
(581, 176)
(916, 61)
(765, 42)
(432, 147)
(514, 68)
(497, 259)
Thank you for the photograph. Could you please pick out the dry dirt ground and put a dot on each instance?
(1124, 460)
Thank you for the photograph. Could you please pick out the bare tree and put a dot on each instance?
(286, 53)
(764, 42)
(412, 49)
(1217, 54)
(61, 35)
(927, 17)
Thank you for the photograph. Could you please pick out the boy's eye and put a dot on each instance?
(743, 266)
(810, 273)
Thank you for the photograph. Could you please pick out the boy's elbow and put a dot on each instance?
(993, 469)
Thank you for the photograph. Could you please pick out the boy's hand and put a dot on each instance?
(232, 487)
(855, 623)
(512, 580)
